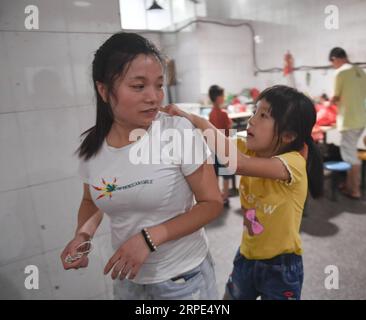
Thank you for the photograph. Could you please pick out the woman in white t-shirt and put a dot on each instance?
(143, 169)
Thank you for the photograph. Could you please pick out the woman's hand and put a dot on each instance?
(128, 258)
(72, 250)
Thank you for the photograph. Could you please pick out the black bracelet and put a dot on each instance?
(148, 240)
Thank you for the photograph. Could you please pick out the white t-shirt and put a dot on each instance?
(135, 196)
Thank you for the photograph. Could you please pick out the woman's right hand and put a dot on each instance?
(71, 249)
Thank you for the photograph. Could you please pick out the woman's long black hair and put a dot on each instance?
(110, 62)
(295, 113)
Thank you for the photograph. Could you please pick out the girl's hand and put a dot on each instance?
(174, 110)
(128, 258)
(71, 249)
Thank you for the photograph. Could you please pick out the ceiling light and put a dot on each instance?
(155, 6)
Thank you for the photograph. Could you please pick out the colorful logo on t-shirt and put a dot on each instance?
(111, 187)
(252, 223)
(108, 188)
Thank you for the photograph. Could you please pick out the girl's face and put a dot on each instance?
(260, 131)
(139, 93)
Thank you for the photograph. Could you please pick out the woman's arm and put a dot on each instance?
(89, 216)
(203, 183)
(228, 153)
(91, 225)
(132, 254)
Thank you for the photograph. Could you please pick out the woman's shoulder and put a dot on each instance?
(173, 122)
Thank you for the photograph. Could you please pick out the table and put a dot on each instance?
(245, 114)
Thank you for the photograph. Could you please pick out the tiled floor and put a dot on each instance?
(333, 233)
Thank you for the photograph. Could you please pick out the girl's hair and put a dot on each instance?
(111, 61)
(295, 113)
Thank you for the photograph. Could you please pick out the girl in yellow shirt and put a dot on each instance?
(278, 162)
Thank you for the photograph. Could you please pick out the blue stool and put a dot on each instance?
(335, 167)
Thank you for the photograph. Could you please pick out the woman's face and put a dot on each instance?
(139, 94)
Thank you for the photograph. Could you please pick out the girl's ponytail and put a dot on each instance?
(314, 169)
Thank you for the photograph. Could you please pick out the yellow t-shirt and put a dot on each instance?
(272, 209)
(350, 86)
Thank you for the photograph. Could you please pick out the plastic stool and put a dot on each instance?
(362, 157)
(336, 167)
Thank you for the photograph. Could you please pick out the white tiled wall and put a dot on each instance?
(46, 102)
(297, 26)
(82, 48)
(20, 233)
(49, 137)
(13, 165)
(13, 276)
(39, 71)
(98, 16)
(223, 55)
(183, 47)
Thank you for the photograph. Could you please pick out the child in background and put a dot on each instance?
(326, 112)
(326, 115)
(220, 119)
(278, 162)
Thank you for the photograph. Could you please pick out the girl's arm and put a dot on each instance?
(132, 254)
(228, 154)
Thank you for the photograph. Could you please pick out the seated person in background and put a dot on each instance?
(326, 112)
(326, 115)
(220, 119)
